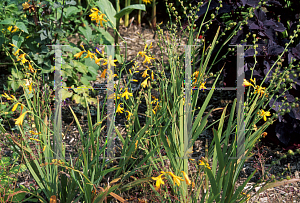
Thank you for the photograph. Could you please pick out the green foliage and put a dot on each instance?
(129, 9)
(164, 128)
(9, 168)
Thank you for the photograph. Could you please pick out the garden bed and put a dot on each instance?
(267, 152)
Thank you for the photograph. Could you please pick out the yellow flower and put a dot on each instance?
(44, 148)
(145, 74)
(133, 80)
(78, 55)
(19, 120)
(145, 47)
(30, 68)
(100, 19)
(247, 84)
(155, 108)
(248, 196)
(154, 100)
(97, 61)
(126, 94)
(96, 17)
(22, 107)
(110, 58)
(264, 134)
(98, 51)
(260, 90)
(103, 73)
(29, 84)
(17, 52)
(136, 144)
(147, 59)
(120, 109)
(12, 45)
(90, 55)
(35, 139)
(8, 97)
(34, 133)
(147, 1)
(15, 107)
(159, 181)
(176, 179)
(186, 177)
(142, 53)
(30, 87)
(129, 115)
(202, 163)
(264, 114)
(145, 83)
(22, 58)
(14, 30)
(152, 75)
(195, 75)
(202, 86)
(110, 61)
(26, 5)
(95, 12)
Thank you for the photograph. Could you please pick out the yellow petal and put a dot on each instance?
(144, 84)
(187, 180)
(35, 139)
(78, 55)
(19, 120)
(12, 45)
(103, 73)
(15, 107)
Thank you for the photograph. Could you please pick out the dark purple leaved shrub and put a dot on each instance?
(272, 23)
